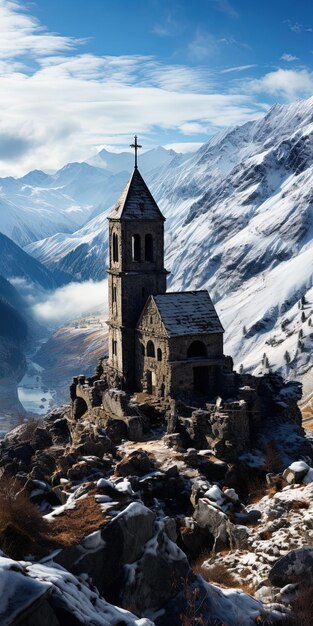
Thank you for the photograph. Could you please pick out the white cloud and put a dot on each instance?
(71, 302)
(170, 27)
(203, 46)
(58, 104)
(21, 33)
(238, 68)
(297, 27)
(288, 57)
(287, 83)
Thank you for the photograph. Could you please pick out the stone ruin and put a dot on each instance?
(227, 425)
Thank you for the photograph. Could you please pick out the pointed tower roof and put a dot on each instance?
(136, 202)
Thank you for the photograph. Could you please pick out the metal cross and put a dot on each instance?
(136, 146)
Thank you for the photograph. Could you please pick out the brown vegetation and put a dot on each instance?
(71, 526)
(302, 609)
(217, 573)
(297, 505)
(24, 531)
(22, 528)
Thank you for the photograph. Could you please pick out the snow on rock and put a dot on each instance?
(296, 472)
(285, 525)
(17, 592)
(77, 599)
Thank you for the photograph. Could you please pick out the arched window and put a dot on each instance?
(197, 349)
(150, 349)
(136, 248)
(159, 354)
(148, 248)
(143, 351)
(115, 248)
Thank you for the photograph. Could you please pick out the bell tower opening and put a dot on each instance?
(149, 248)
(136, 248)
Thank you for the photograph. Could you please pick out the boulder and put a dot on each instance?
(296, 472)
(60, 431)
(213, 520)
(41, 438)
(295, 567)
(136, 463)
(134, 428)
(238, 536)
(116, 430)
(173, 441)
(22, 452)
(199, 487)
(91, 448)
(193, 538)
(247, 517)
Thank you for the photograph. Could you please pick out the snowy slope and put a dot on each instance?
(39, 205)
(82, 253)
(240, 223)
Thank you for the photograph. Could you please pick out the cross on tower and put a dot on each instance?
(136, 146)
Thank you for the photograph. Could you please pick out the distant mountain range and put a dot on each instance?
(40, 205)
(239, 222)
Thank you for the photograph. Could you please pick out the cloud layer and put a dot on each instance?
(59, 102)
(71, 302)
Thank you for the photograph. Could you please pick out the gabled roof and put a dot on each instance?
(136, 202)
(187, 313)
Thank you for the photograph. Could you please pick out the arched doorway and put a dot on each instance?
(151, 382)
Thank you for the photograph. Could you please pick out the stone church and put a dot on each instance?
(162, 343)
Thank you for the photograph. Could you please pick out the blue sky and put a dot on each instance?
(76, 75)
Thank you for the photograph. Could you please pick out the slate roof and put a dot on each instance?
(136, 202)
(188, 313)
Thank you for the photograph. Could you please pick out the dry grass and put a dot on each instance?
(24, 531)
(297, 505)
(219, 574)
(302, 609)
(22, 528)
(256, 488)
(71, 526)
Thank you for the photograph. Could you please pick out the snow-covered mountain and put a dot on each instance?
(15, 263)
(39, 205)
(240, 223)
(124, 161)
(82, 254)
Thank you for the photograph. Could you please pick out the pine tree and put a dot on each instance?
(287, 357)
(303, 301)
(241, 370)
(244, 330)
(300, 333)
(303, 318)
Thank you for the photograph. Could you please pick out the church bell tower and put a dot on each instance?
(136, 270)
